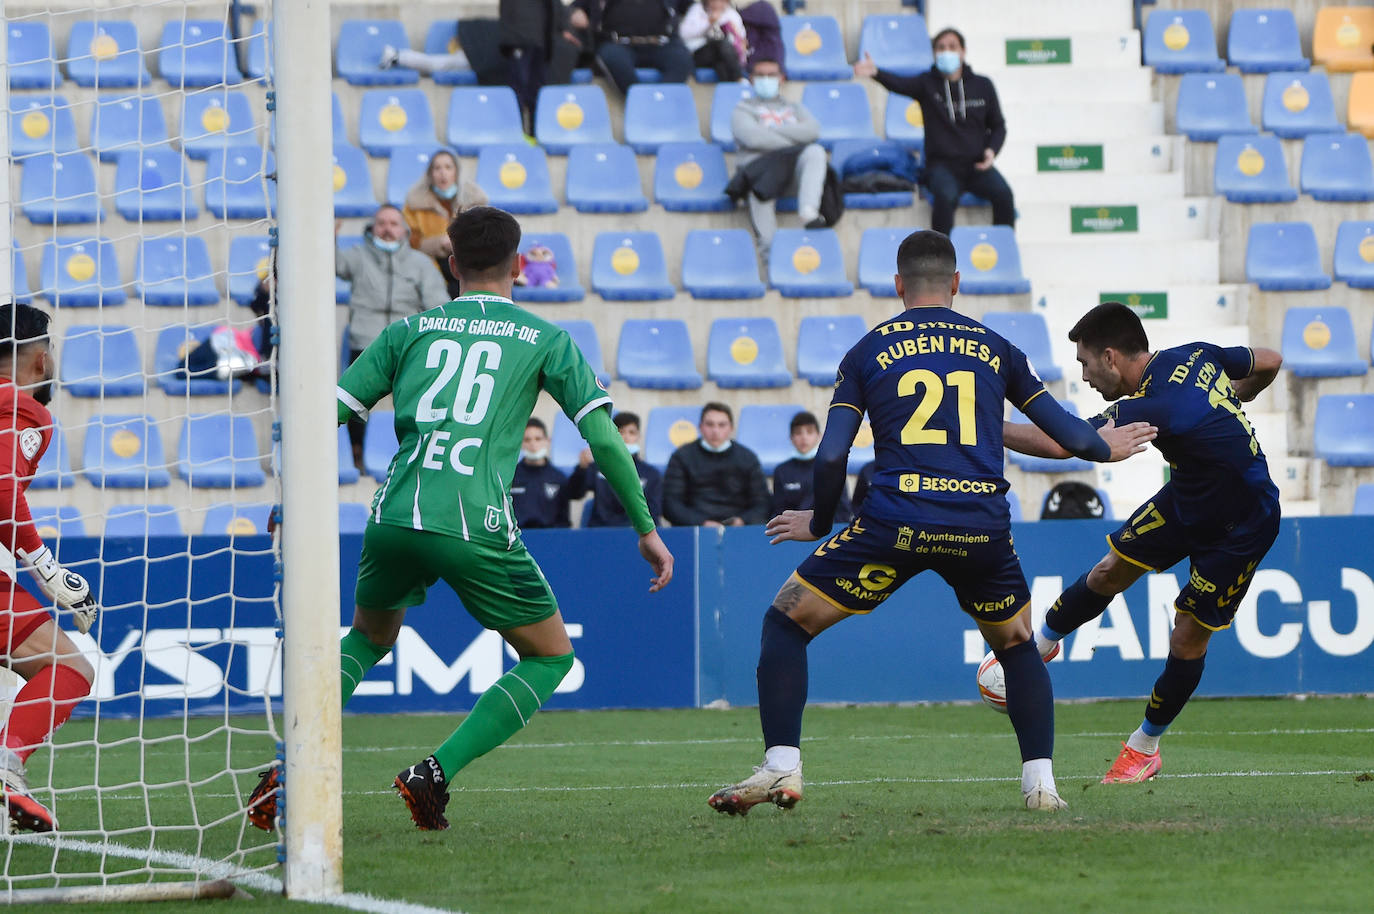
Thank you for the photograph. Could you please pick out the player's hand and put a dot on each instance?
(67, 589)
(865, 68)
(1127, 439)
(790, 525)
(659, 558)
(985, 162)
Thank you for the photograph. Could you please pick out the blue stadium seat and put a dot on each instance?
(904, 123)
(656, 354)
(175, 270)
(1211, 105)
(55, 466)
(1264, 40)
(394, 117)
(568, 288)
(1181, 41)
(352, 183)
(1252, 169)
(22, 293)
(59, 188)
(842, 109)
(348, 471)
(858, 156)
(658, 114)
(142, 520)
(764, 429)
(1354, 256)
(1364, 499)
(216, 119)
(629, 266)
(746, 352)
(101, 361)
(583, 334)
(406, 166)
(808, 264)
(566, 443)
(249, 259)
(151, 185)
(1045, 464)
(259, 46)
(723, 101)
(1028, 332)
(691, 178)
(54, 522)
(442, 38)
(1337, 166)
(217, 451)
(567, 116)
(359, 52)
(41, 123)
(516, 178)
(822, 342)
(173, 344)
(721, 263)
(1296, 104)
(481, 115)
(1344, 432)
(989, 260)
(878, 259)
(666, 429)
(898, 44)
(234, 183)
(604, 178)
(32, 63)
(81, 272)
(120, 123)
(1283, 256)
(862, 452)
(353, 517)
(1014, 505)
(196, 52)
(1320, 343)
(237, 519)
(124, 452)
(379, 443)
(343, 291)
(813, 48)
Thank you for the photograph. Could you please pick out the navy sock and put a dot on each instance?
(1172, 690)
(1030, 699)
(1075, 606)
(782, 678)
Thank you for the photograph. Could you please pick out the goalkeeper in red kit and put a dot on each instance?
(57, 675)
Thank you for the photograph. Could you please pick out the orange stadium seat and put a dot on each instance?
(1342, 37)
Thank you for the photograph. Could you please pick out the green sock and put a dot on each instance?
(357, 655)
(502, 710)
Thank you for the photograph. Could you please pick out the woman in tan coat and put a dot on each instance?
(431, 205)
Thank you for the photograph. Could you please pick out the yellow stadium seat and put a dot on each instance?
(1360, 113)
(1342, 38)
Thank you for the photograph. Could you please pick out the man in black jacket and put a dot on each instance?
(635, 33)
(714, 481)
(538, 49)
(964, 130)
(538, 490)
(607, 511)
(793, 480)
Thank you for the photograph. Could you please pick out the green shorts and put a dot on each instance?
(501, 588)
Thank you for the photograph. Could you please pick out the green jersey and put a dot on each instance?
(464, 378)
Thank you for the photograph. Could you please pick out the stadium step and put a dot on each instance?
(1089, 122)
(1115, 49)
(1097, 189)
(1014, 17)
(1130, 482)
(1293, 475)
(1121, 261)
(1018, 87)
(1119, 156)
(1181, 219)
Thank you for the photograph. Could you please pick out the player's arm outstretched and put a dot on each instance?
(1058, 434)
(1266, 367)
(832, 465)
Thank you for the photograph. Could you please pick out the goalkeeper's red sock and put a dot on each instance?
(42, 705)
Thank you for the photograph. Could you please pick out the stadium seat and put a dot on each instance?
(1181, 41)
(32, 62)
(567, 116)
(658, 114)
(358, 54)
(904, 123)
(41, 123)
(394, 117)
(1360, 109)
(842, 109)
(516, 178)
(237, 519)
(1354, 256)
(989, 260)
(175, 270)
(404, 168)
(22, 293)
(54, 522)
(258, 63)
(1344, 431)
(216, 119)
(81, 272)
(764, 429)
(249, 259)
(604, 178)
(584, 336)
(120, 123)
(1264, 40)
(721, 263)
(666, 429)
(59, 188)
(1014, 506)
(746, 352)
(482, 115)
(218, 451)
(1283, 257)
(656, 354)
(352, 183)
(1252, 169)
(813, 48)
(822, 342)
(353, 517)
(442, 38)
(1296, 104)
(142, 520)
(1045, 464)
(691, 178)
(806, 263)
(348, 471)
(55, 466)
(565, 443)
(858, 156)
(629, 266)
(101, 361)
(124, 452)
(1364, 499)
(1028, 332)
(1341, 38)
(897, 44)
(196, 52)
(151, 185)
(173, 344)
(1211, 105)
(1337, 166)
(1320, 343)
(723, 101)
(568, 288)
(878, 259)
(379, 443)
(236, 186)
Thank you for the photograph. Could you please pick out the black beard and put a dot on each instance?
(42, 393)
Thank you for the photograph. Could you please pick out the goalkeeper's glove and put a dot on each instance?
(67, 589)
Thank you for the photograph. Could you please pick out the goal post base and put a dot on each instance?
(148, 892)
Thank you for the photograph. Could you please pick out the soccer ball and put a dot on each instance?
(992, 685)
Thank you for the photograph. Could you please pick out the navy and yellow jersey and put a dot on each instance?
(1217, 468)
(932, 382)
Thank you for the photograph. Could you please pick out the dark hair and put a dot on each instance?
(764, 59)
(537, 423)
(926, 258)
(802, 420)
(1111, 325)
(623, 419)
(947, 31)
(21, 325)
(484, 239)
(716, 407)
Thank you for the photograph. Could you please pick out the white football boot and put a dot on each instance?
(765, 785)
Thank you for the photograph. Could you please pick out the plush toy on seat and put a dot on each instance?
(538, 269)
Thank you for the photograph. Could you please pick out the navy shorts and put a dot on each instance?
(861, 566)
(1224, 558)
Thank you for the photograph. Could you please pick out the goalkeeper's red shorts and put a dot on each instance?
(20, 614)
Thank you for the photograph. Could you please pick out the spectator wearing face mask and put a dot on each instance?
(431, 205)
(793, 488)
(714, 32)
(606, 508)
(538, 490)
(715, 481)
